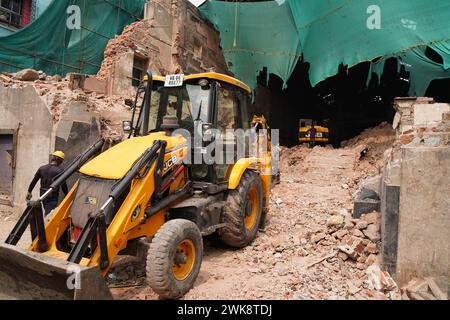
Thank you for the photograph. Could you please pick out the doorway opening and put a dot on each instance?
(7, 164)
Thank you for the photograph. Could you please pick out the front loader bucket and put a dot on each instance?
(31, 275)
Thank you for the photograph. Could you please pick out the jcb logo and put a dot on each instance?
(170, 163)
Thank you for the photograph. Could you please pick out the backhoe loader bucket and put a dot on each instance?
(31, 275)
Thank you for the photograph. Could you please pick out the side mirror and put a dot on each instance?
(126, 126)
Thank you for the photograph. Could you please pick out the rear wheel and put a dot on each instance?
(243, 211)
(174, 258)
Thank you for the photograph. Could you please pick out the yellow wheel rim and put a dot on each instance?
(183, 259)
(251, 209)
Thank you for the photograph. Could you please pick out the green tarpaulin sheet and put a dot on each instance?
(332, 32)
(48, 44)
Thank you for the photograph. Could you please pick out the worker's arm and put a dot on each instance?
(36, 178)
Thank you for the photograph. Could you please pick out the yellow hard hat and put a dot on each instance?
(58, 154)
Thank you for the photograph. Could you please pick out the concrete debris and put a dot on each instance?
(379, 280)
(28, 75)
(358, 233)
(318, 236)
(352, 246)
(340, 234)
(372, 259)
(372, 232)
(372, 248)
(336, 221)
(352, 288)
(42, 75)
(343, 256)
(361, 225)
(321, 259)
(436, 290)
(371, 218)
(425, 289)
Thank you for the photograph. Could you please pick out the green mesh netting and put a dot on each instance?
(330, 32)
(47, 44)
(255, 35)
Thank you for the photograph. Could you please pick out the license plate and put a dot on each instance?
(174, 80)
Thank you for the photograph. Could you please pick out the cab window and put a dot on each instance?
(226, 109)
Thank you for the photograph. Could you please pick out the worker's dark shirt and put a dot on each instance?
(312, 133)
(47, 173)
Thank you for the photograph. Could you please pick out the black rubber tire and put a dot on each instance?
(160, 258)
(236, 234)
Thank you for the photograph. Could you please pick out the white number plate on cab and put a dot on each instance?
(174, 80)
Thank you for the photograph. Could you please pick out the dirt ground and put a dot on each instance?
(8, 219)
(297, 256)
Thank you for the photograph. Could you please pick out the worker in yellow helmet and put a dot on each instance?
(46, 174)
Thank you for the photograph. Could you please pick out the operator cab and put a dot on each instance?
(199, 102)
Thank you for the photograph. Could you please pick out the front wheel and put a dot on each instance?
(243, 211)
(174, 258)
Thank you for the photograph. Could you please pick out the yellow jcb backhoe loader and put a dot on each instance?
(322, 132)
(141, 188)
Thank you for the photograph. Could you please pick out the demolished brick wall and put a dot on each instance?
(174, 38)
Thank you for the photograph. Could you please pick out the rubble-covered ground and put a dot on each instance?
(8, 219)
(311, 247)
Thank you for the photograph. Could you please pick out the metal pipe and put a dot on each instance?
(168, 200)
(106, 204)
(133, 115)
(147, 102)
(41, 198)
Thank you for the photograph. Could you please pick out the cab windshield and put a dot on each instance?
(188, 103)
